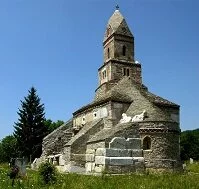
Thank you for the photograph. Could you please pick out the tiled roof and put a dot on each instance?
(117, 24)
(117, 94)
(159, 100)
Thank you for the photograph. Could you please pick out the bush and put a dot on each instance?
(48, 172)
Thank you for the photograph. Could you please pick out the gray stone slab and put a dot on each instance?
(133, 143)
(118, 142)
(121, 161)
(136, 153)
(118, 153)
(138, 159)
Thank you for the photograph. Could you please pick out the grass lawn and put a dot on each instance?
(189, 180)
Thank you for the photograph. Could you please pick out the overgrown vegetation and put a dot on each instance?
(48, 172)
(188, 180)
(190, 144)
(8, 148)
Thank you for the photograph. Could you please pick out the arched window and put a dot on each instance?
(126, 72)
(147, 143)
(108, 53)
(124, 50)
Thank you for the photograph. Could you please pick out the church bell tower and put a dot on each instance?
(118, 48)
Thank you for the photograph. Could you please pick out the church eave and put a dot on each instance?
(98, 103)
(167, 104)
(157, 100)
(119, 35)
(115, 61)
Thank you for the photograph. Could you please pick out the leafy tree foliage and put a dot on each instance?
(8, 148)
(52, 125)
(30, 128)
(190, 144)
(48, 172)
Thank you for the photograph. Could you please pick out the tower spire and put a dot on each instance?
(117, 7)
(118, 50)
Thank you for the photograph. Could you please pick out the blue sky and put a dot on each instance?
(56, 46)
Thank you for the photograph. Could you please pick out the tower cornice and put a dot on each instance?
(118, 35)
(114, 61)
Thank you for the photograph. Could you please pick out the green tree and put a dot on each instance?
(30, 128)
(190, 144)
(1, 153)
(53, 125)
(8, 148)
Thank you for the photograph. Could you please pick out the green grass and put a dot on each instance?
(189, 180)
(193, 168)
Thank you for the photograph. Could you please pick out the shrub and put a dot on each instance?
(48, 172)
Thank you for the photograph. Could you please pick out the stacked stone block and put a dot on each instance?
(122, 156)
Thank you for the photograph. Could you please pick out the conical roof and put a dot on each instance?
(117, 25)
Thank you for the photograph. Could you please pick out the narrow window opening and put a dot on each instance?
(124, 71)
(104, 74)
(124, 50)
(127, 72)
(57, 160)
(147, 143)
(108, 52)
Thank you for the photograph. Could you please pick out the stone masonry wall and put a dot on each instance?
(90, 115)
(110, 46)
(118, 46)
(55, 141)
(122, 156)
(117, 110)
(101, 91)
(134, 71)
(165, 147)
(77, 145)
(140, 103)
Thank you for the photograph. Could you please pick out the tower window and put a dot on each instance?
(126, 72)
(108, 53)
(104, 74)
(147, 143)
(124, 50)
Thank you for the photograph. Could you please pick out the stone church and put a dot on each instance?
(125, 128)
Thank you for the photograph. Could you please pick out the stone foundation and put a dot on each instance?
(122, 156)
